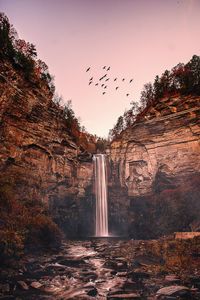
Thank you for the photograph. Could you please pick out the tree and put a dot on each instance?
(147, 95)
(7, 37)
(193, 80)
(26, 48)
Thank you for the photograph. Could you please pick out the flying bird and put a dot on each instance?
(102, 85)
(103, 93)
(90, 82)
(107, 79)
(104, 67)
(96, 84)
(103, 77)
(130, 80)
(88, 69)
(116, 87)
(108, 69)
(115, 79)
(91, 78)
(127, 95)
(105, 86)
(123, 79)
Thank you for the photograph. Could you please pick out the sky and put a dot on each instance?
(137, 39)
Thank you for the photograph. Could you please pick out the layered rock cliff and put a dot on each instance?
(155, 171)
(153, 166)
(39, 157)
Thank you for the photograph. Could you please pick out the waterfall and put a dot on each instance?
(101, 195)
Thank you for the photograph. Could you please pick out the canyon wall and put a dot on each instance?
(154, 183)
(39, 157)
(153, 167)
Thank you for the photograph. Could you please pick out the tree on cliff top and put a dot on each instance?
(183, 79)
(22, 54)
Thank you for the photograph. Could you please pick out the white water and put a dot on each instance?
(101, 195)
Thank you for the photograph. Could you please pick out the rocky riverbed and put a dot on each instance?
(101, 269)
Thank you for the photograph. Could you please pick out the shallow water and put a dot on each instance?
(88, 269)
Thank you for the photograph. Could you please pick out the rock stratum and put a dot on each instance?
(154, 177)
(38, 155)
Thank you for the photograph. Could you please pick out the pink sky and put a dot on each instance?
(138, 39)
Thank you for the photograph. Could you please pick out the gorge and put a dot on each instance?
(85, 218)
(153, 167)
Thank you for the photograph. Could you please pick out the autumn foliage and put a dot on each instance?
(24, 225)
(22, 55)
(183, 79)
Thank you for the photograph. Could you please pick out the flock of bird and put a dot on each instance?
(104, 80)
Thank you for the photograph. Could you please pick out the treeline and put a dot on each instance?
(183, 79)
(23, 56)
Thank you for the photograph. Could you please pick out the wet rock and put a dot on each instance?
(124, 296)
(121, 274)
(23, 285)
(195, 280)
(36, 285)
(128, 285)
(92, 292)
(138, 275)
(172, 278)
(117, 266)
(173, 290)
(145, 260)
(76, 263)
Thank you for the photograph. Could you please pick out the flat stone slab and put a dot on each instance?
(124, 296)
(172, 290)
(36, 285)
(172, 278)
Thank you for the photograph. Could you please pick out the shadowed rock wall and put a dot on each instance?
(39, 158)
(155, 171)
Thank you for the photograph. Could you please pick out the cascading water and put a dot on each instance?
(101, 195)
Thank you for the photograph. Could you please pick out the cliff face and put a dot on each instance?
(155, 170)
(39, 157)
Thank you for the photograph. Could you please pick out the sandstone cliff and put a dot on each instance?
(155, 170)
(153, 167)
(38, 155)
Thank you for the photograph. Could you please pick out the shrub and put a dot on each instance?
(24, 225)
(43, 233)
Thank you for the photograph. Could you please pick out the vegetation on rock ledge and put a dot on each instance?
(24, 225)
(183, 79)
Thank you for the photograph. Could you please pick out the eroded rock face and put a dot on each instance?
(157, 164)
(39, 157)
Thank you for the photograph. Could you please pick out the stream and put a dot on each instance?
(88, 269)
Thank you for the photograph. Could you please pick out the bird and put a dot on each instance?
(88, 69)
(127, 95)
(105, 86)
(108, 69)
(96, 84)
(107, 79)
(115, 79)
(90, 82)
(91, 78)
(102, 85)
(130, 80)
(116, 87)
(104, 67)
(103, 93)
(103, 77)
(123, 79)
